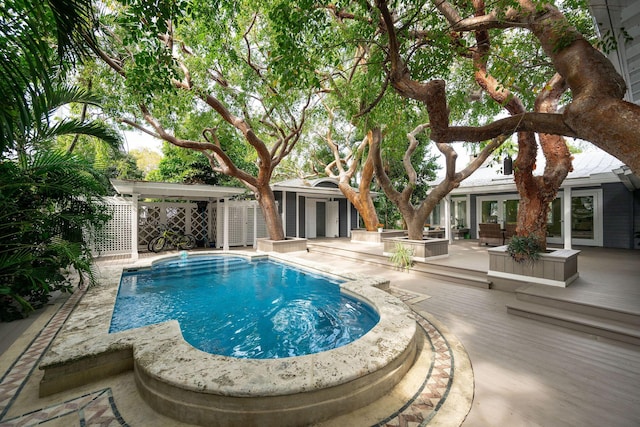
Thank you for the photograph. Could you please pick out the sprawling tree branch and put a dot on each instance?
(597, 112)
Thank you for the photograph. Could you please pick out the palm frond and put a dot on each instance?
(76, 127)
(27, 63)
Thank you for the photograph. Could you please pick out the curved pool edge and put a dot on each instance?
(193, 386)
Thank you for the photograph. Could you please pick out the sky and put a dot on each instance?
(135, 140)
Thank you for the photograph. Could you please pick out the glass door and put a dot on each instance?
(459, 213)
(554, 222)
(510, 208)
(499, 209)
(489, 211)
(586, 217)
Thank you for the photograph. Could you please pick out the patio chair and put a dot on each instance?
(509, 232)
(490, 234)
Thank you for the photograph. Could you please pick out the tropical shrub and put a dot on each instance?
(402, 257)
(524, 248)
(51, 211)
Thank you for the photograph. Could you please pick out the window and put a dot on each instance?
(490, 211)
(459, 213)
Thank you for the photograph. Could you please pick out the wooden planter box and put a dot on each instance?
(290, 244)
(427, 248)
(362, 235)
(558, 267)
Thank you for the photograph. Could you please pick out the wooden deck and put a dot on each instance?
(527, 373)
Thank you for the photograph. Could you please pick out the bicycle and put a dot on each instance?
(171, 237)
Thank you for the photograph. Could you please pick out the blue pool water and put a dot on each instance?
(240, 308)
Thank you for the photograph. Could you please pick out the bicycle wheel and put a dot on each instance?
(157, 244)
(186, 241)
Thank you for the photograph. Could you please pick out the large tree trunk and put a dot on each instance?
(537, 192)
(282, 136)
(267, 201)
(363, 203)
(361, 199)
(415, 217)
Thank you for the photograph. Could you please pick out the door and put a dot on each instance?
(498, 209)
(586, 217)
(332, 226)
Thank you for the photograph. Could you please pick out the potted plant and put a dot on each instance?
(402, 257)
(524, 249)
(380, 227)
(523, 261)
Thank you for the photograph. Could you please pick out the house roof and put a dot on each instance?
(592, 167)
(321, 187)
(172, 190)
(326, 187)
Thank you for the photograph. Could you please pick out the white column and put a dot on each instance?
(256, 211)
(210, 222)
(297, 215)
(284, 212)
(348, 218)
(134, 226)
(566, 217)
(447, 219)
(225, 227)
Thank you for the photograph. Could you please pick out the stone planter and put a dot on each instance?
(362, 235)
(558, 267)
(423, 250)
(290, 244)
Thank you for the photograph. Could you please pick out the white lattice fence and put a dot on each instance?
(116, 237)
(261, 225)
(148, 221)
(200, 223)
(242, 215)
(213, 224)
(204, 222)
(179, 216)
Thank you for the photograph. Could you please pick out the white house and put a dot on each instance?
(598, 203)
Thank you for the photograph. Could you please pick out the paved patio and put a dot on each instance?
(527, 373)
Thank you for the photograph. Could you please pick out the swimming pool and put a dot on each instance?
(236, 307)
(196, 387)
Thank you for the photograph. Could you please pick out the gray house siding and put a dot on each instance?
(473, 229)
(342, 214)
(617, 216)
(321, 215)
(290, 220)
(636, 219)
(354, 218)
(301, 217)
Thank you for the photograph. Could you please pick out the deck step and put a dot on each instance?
(454, 275)
(581, 301)
(588, 323)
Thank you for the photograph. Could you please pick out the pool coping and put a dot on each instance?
(84, 350)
